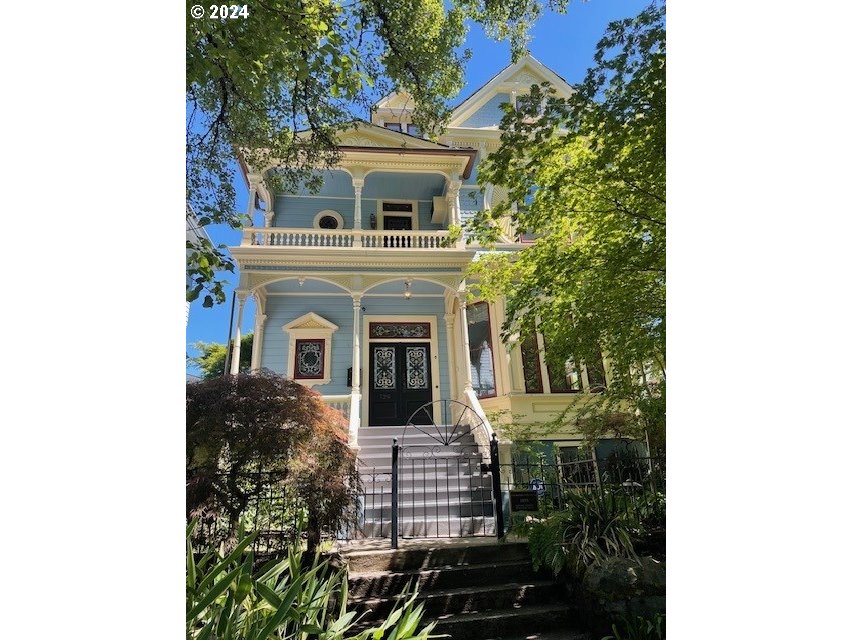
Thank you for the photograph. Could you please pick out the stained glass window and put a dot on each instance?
(309, 359)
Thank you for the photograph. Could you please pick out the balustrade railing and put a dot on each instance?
(339, 403)
(346, 238)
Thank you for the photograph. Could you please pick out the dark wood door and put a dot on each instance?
(400, 383)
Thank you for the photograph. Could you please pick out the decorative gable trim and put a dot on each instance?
(310, 328)
(515, 77)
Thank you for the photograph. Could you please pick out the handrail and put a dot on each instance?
(484, 435)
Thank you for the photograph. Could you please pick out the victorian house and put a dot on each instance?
(361, 289)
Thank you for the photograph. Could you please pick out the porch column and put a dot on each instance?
(258, 339)
(454, 213)
(355, 402)
(357, 185)
(451, 353)
(462, 297)
(235, 354)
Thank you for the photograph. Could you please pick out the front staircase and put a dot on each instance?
(444, 491)
(473, 589)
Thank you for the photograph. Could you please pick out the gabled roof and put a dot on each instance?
(517, 76)
(367, 134)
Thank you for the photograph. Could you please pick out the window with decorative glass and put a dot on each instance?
(310, 359)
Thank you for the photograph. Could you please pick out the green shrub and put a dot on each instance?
(289, 598)
(639, 628)
(593, 527)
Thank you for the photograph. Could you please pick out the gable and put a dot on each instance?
(310, 321)
(481, 109)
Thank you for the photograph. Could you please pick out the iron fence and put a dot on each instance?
(632, 480)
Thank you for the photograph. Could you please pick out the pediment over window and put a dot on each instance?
(310, 321)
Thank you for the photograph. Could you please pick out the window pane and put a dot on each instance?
(394, 126)
(309, 359)
(480, 342)
(595, 374)
(530, 365)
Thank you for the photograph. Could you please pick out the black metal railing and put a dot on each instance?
(632, 480)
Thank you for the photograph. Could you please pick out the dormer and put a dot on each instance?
(394, 112)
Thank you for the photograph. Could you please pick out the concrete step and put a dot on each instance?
(439, 602)
(384, 584)
(431, 483)
(435, 554)
(430, 527)
(500, 623)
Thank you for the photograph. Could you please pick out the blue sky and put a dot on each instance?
(565, 43)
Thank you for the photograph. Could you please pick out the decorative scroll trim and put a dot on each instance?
(400, 330)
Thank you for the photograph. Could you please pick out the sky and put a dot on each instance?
(564, 43)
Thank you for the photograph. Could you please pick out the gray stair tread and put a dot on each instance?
(454, 567)
(460, 591)
(498, 614)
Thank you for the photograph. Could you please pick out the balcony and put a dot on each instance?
(348, 239)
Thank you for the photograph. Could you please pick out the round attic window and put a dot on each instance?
(328, 219)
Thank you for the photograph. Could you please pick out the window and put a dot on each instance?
(481, 353)
(309, 349)
(530, 365)
(328, 219)
(310, 360)
(595, 374)
(564, 379)
(412, 130)
(394, 126)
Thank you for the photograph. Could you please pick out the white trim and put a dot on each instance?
(380, 214)
(329, 212)
(366, 381)
(349, 295)
(296, 330)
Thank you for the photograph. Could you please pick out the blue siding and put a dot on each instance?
(299, 212)
(490, 114)
(281, 310)
(409, 186)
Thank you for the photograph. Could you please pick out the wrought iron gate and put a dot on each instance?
(445, 476)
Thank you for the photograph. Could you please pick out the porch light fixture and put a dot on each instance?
(407, 292)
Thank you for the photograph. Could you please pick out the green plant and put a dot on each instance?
(288, 598)
(639, 628)
(593, 527)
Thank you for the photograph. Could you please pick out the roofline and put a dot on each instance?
(470, 153)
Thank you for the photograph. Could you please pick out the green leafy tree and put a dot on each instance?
(274, 89)
(586, 178)
(212, 356)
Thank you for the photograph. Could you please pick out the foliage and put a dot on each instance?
(586, 177)
(239, 425)
(639, 628)
(212, 356)
(276, 88)
(594, 526)
(288, 598)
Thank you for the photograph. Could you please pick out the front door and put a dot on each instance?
(400, 383)
(397, 223)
